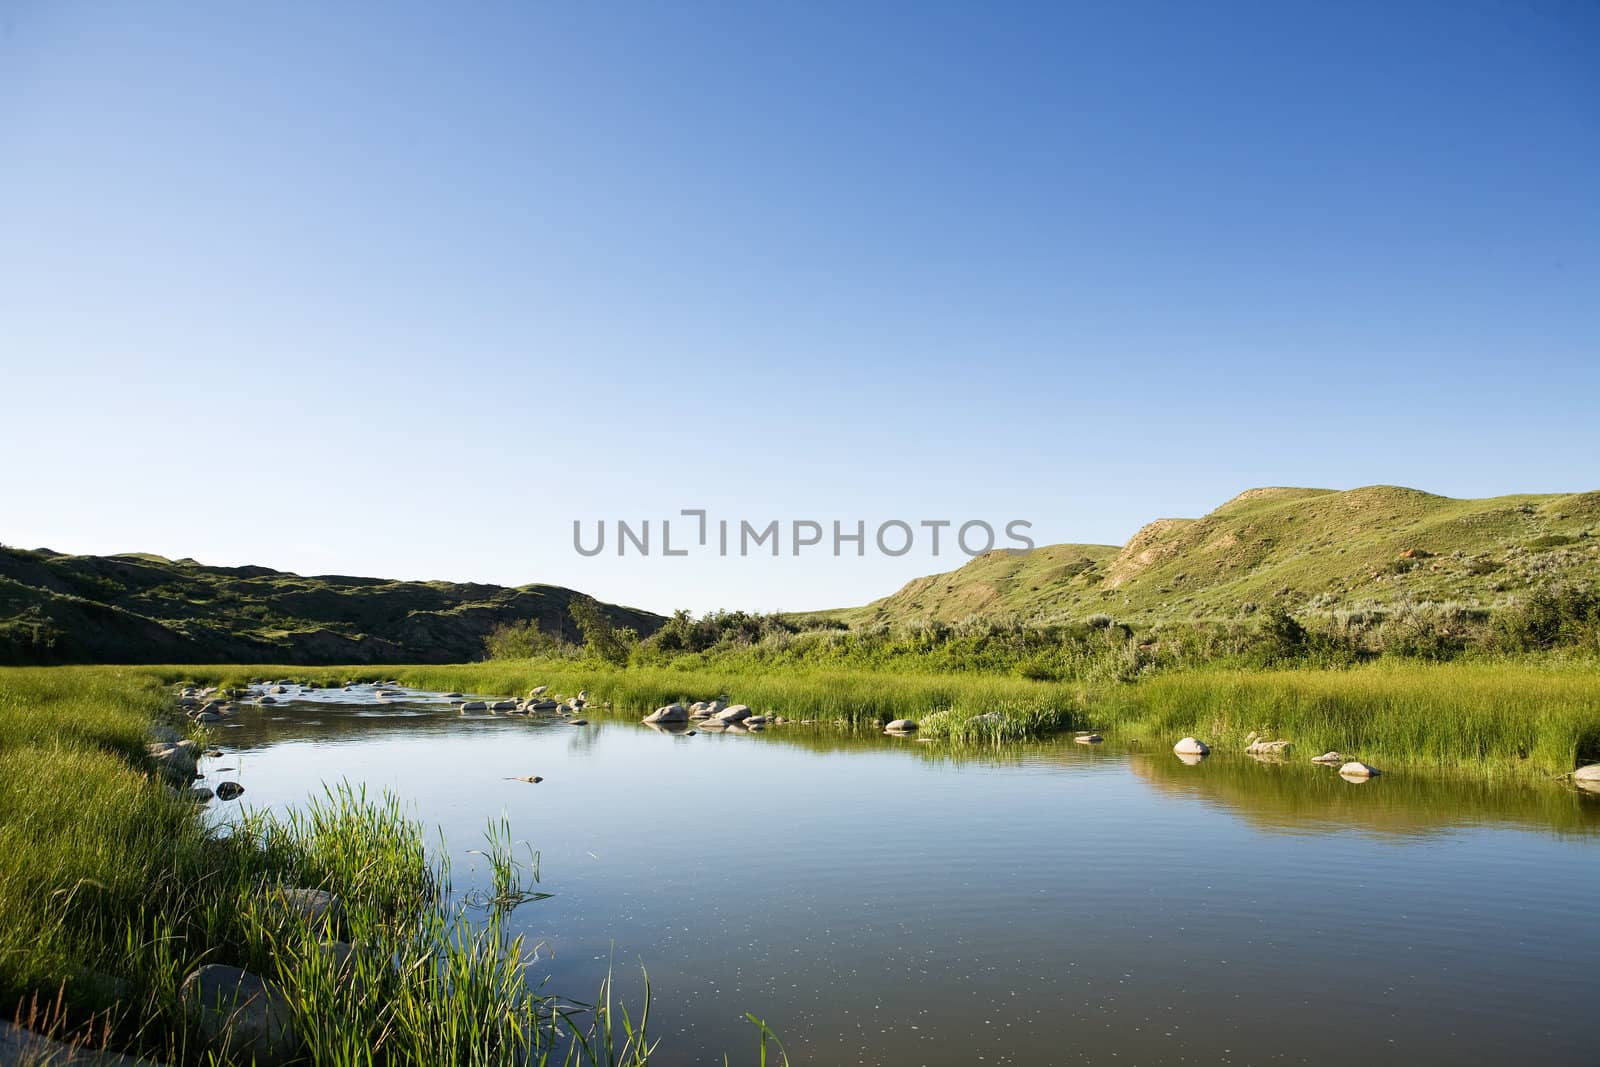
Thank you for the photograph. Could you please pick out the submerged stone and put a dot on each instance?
(242, 1017)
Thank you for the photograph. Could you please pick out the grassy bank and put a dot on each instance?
(113, 890)
(1497, 718)
(1521, 716)
(944, 704)
(1483, 718)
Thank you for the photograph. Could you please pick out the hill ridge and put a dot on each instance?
(1283, 546)
(143, 608)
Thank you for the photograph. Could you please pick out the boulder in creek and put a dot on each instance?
(208, 716)
(229, 790)
(901, 726)
(669, 713)
(733, 713)
(268, 700)
(1088, 739)
(1328, 757)
(242, 1017)
(538, 690)
(1590, 773)
(1189, 746)
(1269, 748)
(503, 705)
(200, 793)
(475, 705)
(1357, 769)
(577, 722)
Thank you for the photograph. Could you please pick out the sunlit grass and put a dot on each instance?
(1487, 718)
(113, 889)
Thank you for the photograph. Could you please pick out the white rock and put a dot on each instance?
(1357, 769)
(1591, 773)
(901, 726)
(733, 713)
(1190, 747)
(669, 713)
(1088, 739)
(1328, 757)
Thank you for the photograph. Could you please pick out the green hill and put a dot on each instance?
(142, 608)
(1296, 549)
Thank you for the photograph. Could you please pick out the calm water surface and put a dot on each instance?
(885, 901)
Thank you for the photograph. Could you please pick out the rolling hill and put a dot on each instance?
(1297, 549)
(140, 608)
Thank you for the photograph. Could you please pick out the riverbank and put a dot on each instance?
(1498, 719)
(115, 892)
(1515, 717)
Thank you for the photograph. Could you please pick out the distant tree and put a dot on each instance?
(524, 639)
(601, 640)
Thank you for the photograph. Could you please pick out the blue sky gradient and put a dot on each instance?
(406, 289)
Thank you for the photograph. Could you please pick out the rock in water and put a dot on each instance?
(1191, 747)
(1088, 739)
(1591, 773)
(475, 705)
(1328, 757)
(901, 726)
(1357, 769)
(670, 713)
(241, 1016)
(533, 778)
(229, 790)
(1269, 748)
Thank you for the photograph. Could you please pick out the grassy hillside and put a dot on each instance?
(1296, 549)
(142, 608)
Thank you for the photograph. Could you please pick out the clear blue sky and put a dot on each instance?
(403, 290)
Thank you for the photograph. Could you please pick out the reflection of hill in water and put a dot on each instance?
(1299, 797)
(1291, 797)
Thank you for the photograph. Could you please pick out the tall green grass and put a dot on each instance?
(1494, 719)
(956, 706)
(113, 889)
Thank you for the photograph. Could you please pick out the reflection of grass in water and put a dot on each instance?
(1298, 795)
